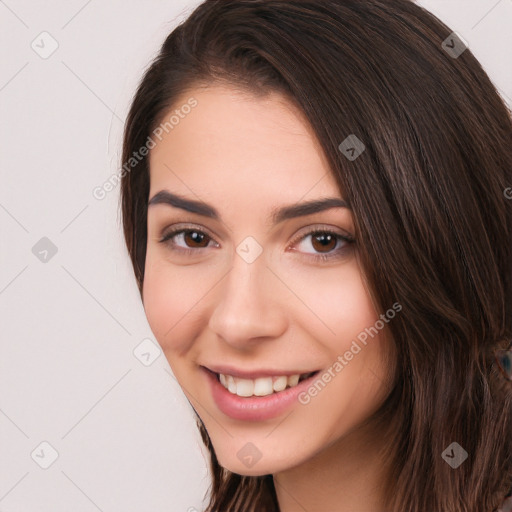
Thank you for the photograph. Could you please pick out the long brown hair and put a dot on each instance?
(433, 224)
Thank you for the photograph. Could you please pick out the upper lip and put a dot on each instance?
(254, 374)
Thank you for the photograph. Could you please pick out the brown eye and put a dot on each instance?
(196, 239)
(323, 242)
(186, 239)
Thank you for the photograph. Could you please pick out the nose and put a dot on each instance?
(247, 307)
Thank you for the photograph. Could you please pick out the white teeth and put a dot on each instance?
(293, 380)
(280, 383)
(261, 386)
(244, 387)
(231, 384)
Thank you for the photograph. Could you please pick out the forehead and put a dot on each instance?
(233, 141)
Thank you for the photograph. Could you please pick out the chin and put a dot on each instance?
(260, 468)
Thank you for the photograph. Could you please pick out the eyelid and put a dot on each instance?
(322, 228)
(185, 226)
(307, 230)
(341, 234)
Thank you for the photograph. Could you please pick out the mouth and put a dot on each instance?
(260, 386)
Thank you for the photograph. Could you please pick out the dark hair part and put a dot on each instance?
(434, 228)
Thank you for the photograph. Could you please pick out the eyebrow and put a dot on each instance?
(277, 215)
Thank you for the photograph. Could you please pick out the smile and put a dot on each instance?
(277, 393)
(261, 386)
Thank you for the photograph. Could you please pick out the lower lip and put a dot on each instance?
(255, 408)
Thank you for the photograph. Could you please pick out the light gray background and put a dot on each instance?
(124, 433)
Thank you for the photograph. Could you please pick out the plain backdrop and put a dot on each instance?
(91, 417)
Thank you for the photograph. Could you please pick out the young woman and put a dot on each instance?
(316, 202)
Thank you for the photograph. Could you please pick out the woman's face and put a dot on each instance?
(258, 286)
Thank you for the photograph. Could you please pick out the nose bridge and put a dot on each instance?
(246, 305)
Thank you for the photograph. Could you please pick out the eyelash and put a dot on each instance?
(166, 239)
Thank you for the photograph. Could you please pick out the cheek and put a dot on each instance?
(338, 302)
(172, 303)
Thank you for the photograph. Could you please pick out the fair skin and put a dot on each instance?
(246, 156)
